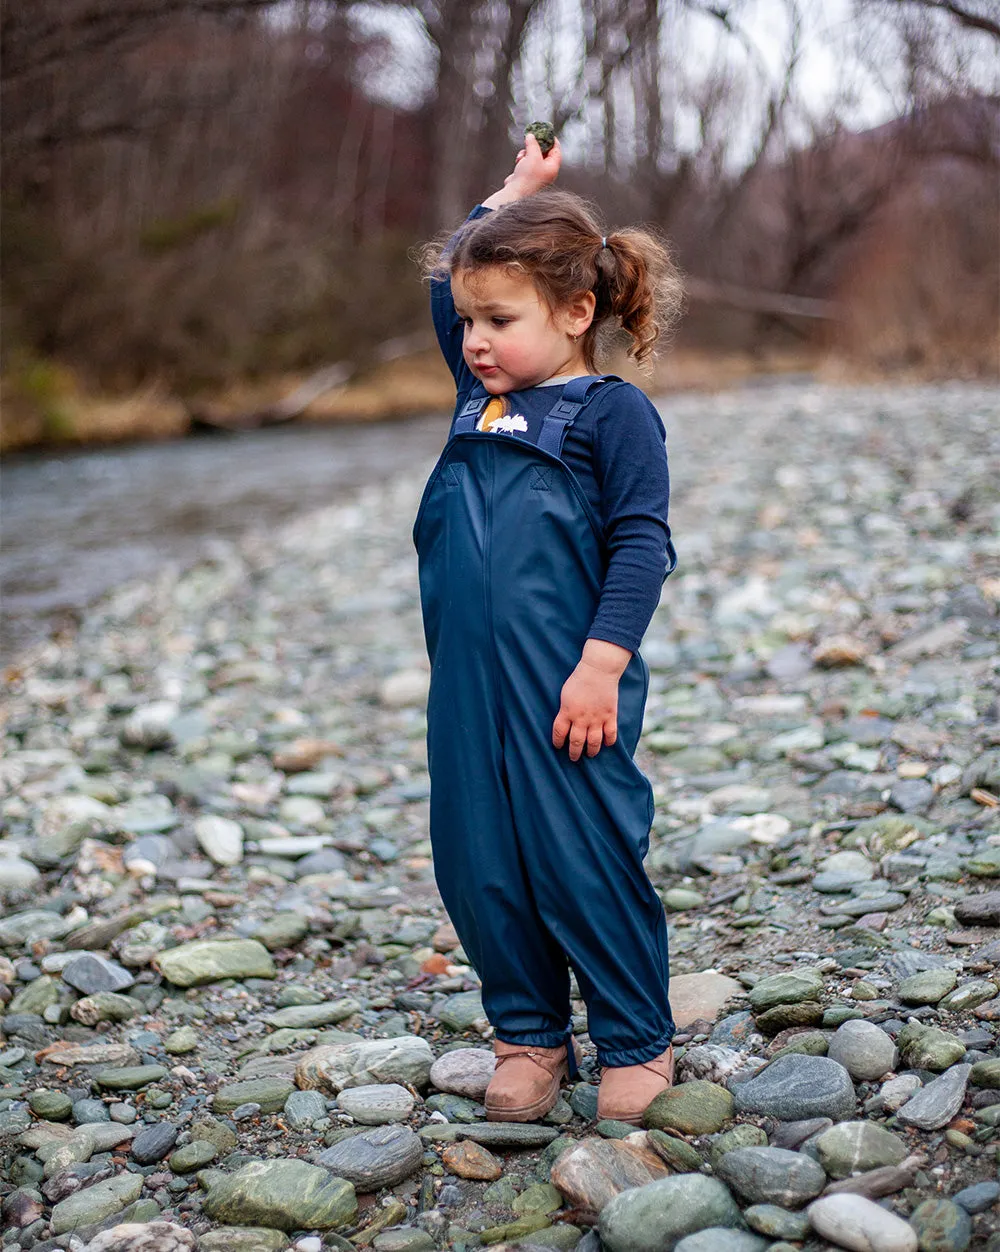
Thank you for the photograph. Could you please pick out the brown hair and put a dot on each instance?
(557, 240)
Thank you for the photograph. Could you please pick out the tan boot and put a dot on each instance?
(525, 1085)
(627, 1091)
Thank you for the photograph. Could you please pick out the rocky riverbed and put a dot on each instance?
(235, 1017)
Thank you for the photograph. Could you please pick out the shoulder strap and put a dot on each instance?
(468, 414)
(562, 415)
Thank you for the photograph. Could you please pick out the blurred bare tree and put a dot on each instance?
(198, 189)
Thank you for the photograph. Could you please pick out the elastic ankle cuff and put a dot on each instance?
(636, 1056)
(541, 1039)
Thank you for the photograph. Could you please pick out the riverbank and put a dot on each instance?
(47, 408)
(225, 957)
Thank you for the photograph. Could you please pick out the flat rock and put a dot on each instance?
(269, 1093)
(927, 987)
(464, 1072)
(936, 1104)
(90, 973)
(308, 1016)
(152, 1143)
(284, 1194)
(853, 1147)
(657, 1216)
(771, 1176)
(63, 1053)
(376, 1104)
(722, 1239)
(790, 988)
(31, 926)
(144, 1237)
(979, 910)
(243, 1239)
(406, 1059)
(302, 1108)
(795, 1087)
(96, 1202)
(129, 1077)
(854, 1222)
(471, 1160)
(464, 1011)
(509, 1134)
(209, 960)
(592, 1172)
(380, 1157)
(700, 997)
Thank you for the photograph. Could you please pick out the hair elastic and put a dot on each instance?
(604, 241)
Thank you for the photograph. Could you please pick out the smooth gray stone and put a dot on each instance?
(936, 1104)
(30, 926)
(979, 1197)
(302, 1108)
(722, 1239)
(380, 1157)
(855, 1147)
(154, 1142)
(796, 1087)
(865, 1051)
(660, 1214)
(87, 1112)
(90, 973)
(761, 1175)
(463, 1012)
(269, 1093)
(508, 1134)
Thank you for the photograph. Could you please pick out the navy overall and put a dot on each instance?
(538, 858)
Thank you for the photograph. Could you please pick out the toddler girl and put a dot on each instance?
(543, 542)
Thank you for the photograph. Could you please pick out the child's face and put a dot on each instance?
(513, 340)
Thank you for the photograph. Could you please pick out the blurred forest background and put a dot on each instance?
(208, 205)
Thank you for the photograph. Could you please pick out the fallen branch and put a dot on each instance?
(704, 291)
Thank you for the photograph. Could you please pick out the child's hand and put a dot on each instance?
(588, 710)
(533, 169)
(531, 173)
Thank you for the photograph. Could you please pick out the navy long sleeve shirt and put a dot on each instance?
(616, 449)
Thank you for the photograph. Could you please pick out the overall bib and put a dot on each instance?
(538, 858)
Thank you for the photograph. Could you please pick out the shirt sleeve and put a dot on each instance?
(447, 324)
(630, 466)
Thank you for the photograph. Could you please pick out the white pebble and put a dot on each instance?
(861, 1225)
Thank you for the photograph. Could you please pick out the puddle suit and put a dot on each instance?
(538, 858)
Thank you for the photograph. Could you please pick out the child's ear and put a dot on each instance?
(580, 312)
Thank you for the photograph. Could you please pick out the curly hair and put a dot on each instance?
(558, 241)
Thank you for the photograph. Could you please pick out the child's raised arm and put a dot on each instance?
(532, 171)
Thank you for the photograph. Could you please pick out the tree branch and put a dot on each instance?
(972, 21)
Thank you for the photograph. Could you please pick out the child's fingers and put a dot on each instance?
(577, 740)
(560, 729)
(595, 738)
(610, 732)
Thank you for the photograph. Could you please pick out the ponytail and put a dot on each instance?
(555, 239)
(639, 287)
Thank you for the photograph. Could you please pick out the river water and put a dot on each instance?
(75, 524)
